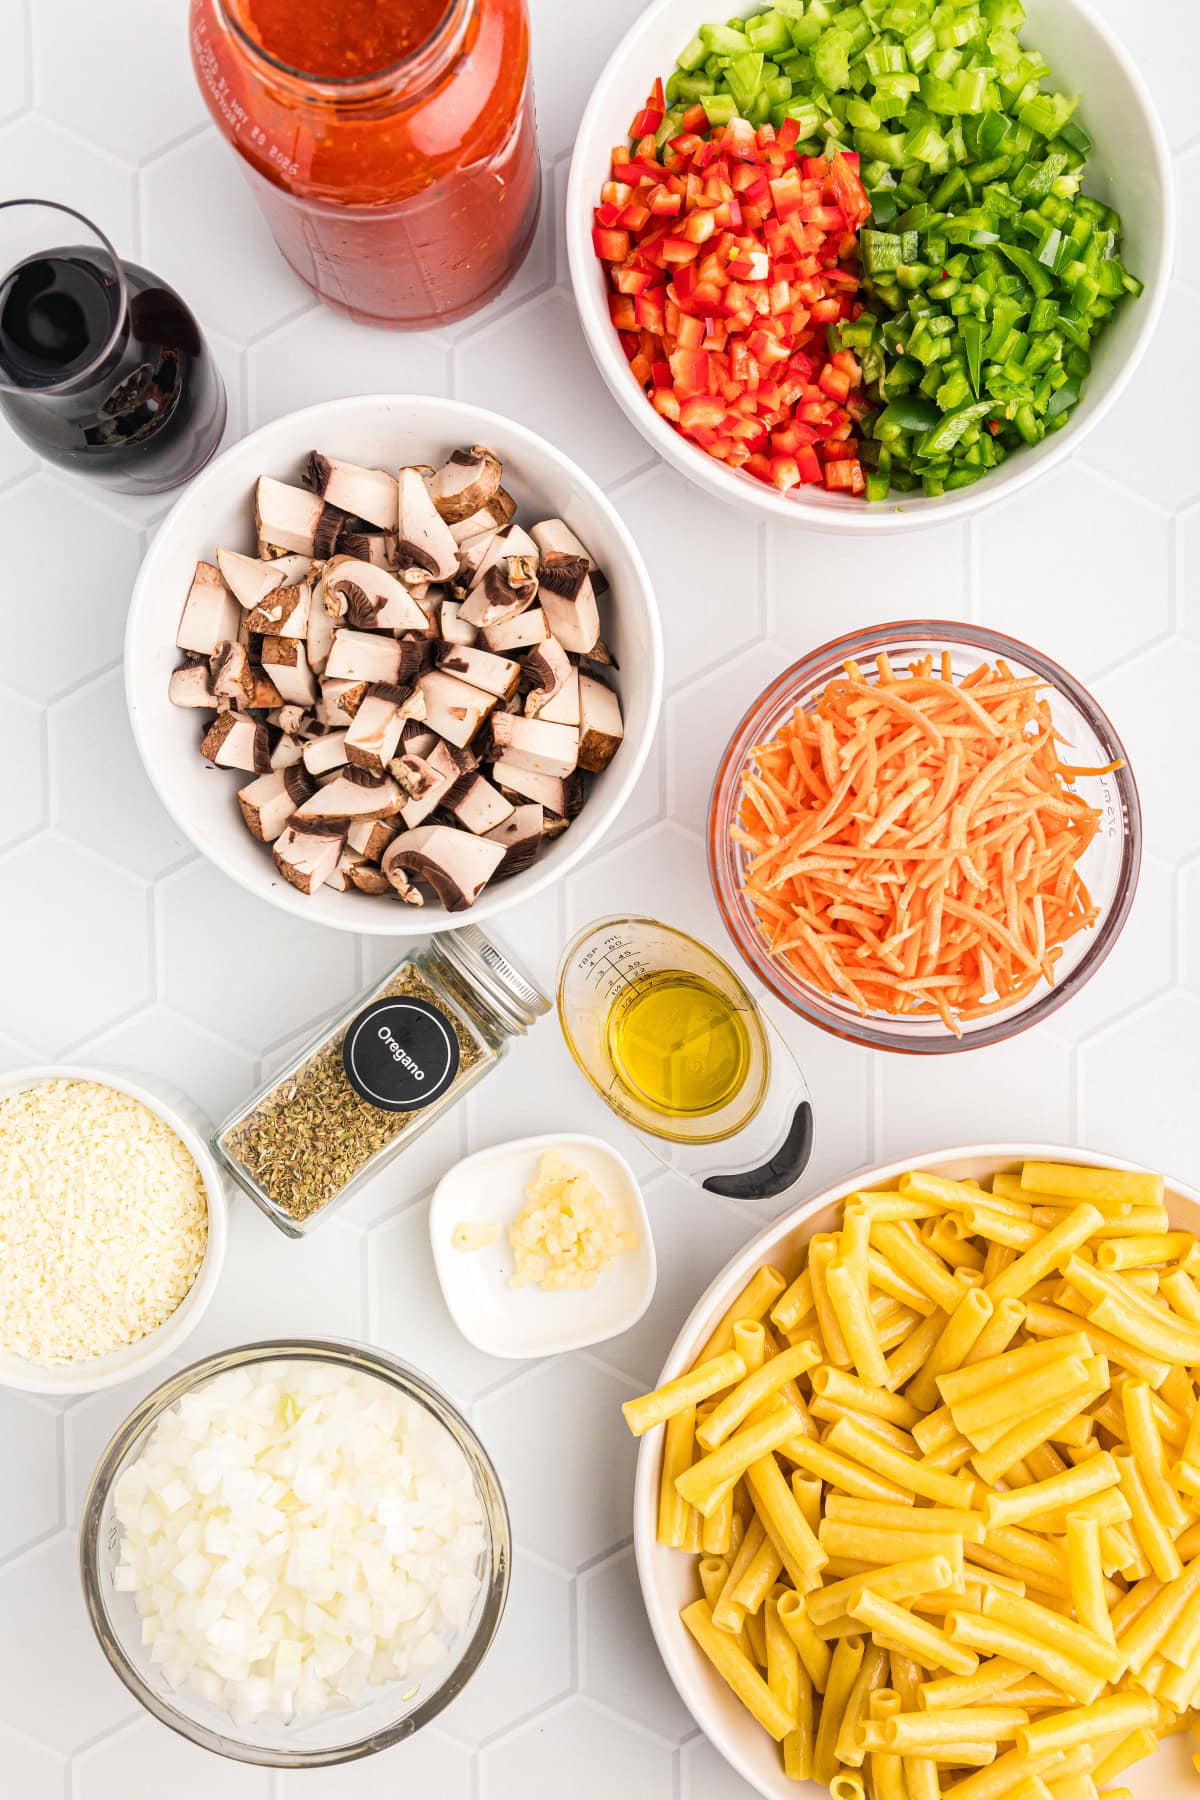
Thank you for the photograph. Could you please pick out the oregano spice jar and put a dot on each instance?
(374, 1078)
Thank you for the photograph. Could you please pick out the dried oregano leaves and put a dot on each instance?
(307, 1139)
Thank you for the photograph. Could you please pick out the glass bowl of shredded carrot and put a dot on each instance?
(925, 837)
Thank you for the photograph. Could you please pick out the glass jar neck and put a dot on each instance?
(402, 82)
(479, 976)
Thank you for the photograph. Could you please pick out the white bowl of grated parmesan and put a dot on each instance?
(112, 1227)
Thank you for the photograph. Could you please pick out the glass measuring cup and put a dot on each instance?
(725, 1103)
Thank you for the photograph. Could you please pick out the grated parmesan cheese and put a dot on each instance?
(567, 1234)
(103, 1221)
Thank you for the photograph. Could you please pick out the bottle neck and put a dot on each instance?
(501, 993)
(403, 82)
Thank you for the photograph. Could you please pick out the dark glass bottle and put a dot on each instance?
(103, 368)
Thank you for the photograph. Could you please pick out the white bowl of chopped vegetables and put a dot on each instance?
(986, 299)
(112, 1228)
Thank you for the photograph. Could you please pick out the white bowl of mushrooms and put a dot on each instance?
(393, 661)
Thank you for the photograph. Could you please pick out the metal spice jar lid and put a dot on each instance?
(517, 1001)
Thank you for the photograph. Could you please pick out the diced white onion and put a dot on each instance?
(295, 1534)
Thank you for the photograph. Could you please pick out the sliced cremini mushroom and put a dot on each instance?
(374, 734)
(284, 660)
(497, 675)
(340, 700)
(600, 725)
(405, 889)
(191, 684)
(453, 708)
(507, 588)
(325, 753)
(569, 603)
(291, 718)
(465, 483)
(210, 614)
(235, 741)
(339, 876)
(426, 780)
(429, 598)
(370, 598)
(415, 776)
(455, 864)
(561, 795)
(232, 678)
(416, 739)
(360, 493)
(353, 794)
(264, 695)
(494, 513)
(520, 631)
(369, 838)
(452, 629)
(285, 613)
(520, 836)
(364, 656)
(532, 744)
(505, 579)
(251, 579)
(471, 553)
(386, 627)
(268, 802)
(554, 537)
(475, 804)
(554, 695)
(367, 877)
(293, 519)
(424, 544)
(599, 653)
(375, 547)
(321, 631)
(286, 751)
(307, 856)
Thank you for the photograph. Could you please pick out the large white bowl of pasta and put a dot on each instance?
(1064, 1481)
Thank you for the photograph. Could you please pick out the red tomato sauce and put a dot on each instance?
(405, 203)
(343, 41)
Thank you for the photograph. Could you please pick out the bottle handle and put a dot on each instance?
(780, 1171)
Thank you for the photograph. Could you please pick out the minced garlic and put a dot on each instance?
(567, 1234)
(470, 1236)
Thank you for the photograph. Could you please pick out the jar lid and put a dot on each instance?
(517, 999)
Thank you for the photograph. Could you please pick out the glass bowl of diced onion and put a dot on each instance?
(1108, 868)
(151, 1483)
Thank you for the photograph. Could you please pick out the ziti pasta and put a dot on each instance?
(911, 842)
(943, 1487)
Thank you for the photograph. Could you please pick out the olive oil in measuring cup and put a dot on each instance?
(678, 1044)
(678, 1047)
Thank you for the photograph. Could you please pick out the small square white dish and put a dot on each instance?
(488, 1188)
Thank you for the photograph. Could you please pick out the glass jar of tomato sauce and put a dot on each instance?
(391, 147)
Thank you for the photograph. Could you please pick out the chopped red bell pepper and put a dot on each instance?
(728, 255)
(647, 122)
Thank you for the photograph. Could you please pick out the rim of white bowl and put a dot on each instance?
(173, 1333)
(472, 424)
(838, 513)
(726, 1741)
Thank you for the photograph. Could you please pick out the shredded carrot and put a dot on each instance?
(911, 843)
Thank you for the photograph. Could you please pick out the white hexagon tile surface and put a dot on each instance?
(111, 930)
